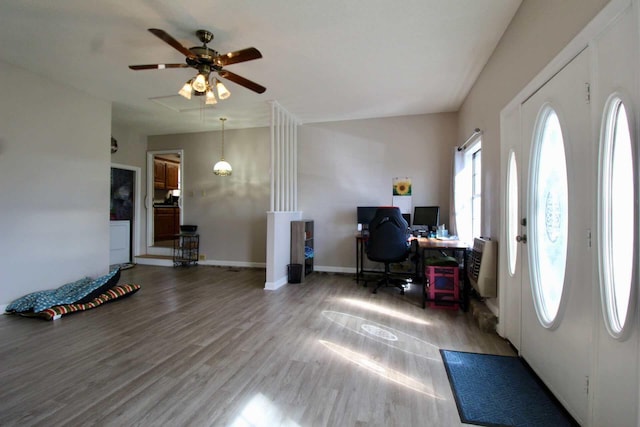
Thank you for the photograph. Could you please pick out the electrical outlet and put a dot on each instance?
(202, 257)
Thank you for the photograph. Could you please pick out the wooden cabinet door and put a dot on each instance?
(171, 176)
(163, 223)
(176, 221)
(159, 171)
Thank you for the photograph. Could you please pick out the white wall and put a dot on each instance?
(538, 31)
(279, 225)
(231, 211)
(342, 165)
(54, 175)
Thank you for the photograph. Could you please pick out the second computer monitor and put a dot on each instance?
(426, 217)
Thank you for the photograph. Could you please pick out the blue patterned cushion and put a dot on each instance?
(110, 282)
(65, 294)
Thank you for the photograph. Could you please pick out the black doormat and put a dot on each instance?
(492, 390)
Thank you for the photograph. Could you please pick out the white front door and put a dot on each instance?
(615, 379)
(557, 275)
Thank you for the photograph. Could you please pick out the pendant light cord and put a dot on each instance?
(222, 119)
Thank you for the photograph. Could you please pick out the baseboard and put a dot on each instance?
(272, 286)
(331, 269)
(492, 305)
(159, 260)
(243, 264)
(167, 261)
(154, 260)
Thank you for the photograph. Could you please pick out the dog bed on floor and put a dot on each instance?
(81, 291)
(55, 312)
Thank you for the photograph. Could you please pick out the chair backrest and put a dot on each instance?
(388, 234)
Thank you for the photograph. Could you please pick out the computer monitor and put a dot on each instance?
(365, 214)
(426, 217)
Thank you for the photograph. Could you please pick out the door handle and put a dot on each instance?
(522, 239)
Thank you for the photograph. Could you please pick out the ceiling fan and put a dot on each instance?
(206, 61)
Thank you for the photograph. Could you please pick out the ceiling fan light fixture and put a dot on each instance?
(223, 92)
(200, 83)
(205, 60)
(210, 98)
(186, 90)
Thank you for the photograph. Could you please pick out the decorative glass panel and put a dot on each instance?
(617, 213)
(549, 217)
(512, 213)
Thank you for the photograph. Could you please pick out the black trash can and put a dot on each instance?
(294, 272)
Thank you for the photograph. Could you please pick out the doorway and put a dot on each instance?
(165, 209)
(569, 285)
(124, 213)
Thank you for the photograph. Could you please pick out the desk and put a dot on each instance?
(457, 249)
(361, 240)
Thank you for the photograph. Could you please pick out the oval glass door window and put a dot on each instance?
(548, 211)
(512, 213)
(617, 215)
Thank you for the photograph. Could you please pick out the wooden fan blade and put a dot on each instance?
(164, 36)
(238, 56)
(242, 81)
(157, 66)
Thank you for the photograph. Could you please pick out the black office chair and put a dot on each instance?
(388, 243)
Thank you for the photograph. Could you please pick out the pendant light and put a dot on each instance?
(222, 168)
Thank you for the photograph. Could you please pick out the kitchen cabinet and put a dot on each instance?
(158, 174)
(171, 176)
(166, 222)
(165, 174)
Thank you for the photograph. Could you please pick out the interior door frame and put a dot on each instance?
(137, 201)
(150, 191)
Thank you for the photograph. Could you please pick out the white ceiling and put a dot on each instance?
(323, 60)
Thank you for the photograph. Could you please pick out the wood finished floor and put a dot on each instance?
(208, 346)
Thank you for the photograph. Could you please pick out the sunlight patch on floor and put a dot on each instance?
(379, 332)
(379, 369)
(261, 412)
(383, 310)
(385, 335)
